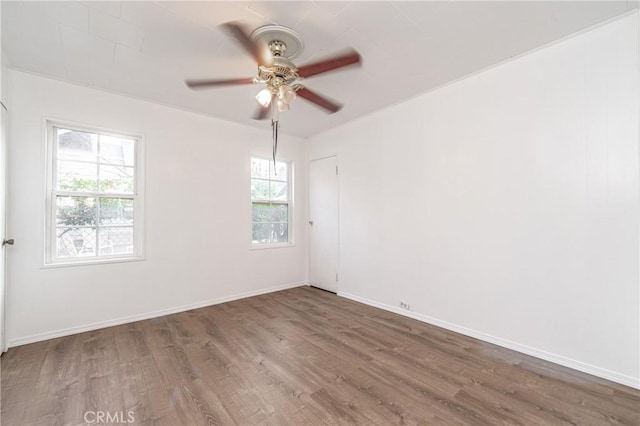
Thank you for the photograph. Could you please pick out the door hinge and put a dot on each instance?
(336, 276)
(336, 169)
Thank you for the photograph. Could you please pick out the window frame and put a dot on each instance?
(289, 203)
(51, 167)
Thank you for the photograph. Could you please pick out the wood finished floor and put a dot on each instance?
(300, 356)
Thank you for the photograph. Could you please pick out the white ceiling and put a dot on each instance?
(146, 49)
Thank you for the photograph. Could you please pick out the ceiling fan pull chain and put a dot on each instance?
(274, 131)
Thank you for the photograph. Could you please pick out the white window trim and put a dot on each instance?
(50, 261)
(290, 188)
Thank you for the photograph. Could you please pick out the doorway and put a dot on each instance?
(324, 222)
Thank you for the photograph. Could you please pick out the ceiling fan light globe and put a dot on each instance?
(282, 106)
(286, 94)
(264, 97)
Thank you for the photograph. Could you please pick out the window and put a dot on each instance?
(270, 201)
(94, 204)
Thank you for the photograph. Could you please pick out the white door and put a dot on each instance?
(3, 168)
(323, 223)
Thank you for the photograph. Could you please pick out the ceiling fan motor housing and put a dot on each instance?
(283, 72)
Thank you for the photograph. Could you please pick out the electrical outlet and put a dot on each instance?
(405, 305)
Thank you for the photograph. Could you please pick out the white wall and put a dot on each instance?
(506, 205)
(197, 215)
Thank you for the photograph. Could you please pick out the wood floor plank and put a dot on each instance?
(299, 357)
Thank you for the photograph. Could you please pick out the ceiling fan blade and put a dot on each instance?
(342, 60)
(321, 101)
(260, 54)
(261, 113)
(205, 84)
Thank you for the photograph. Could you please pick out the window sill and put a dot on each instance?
(270, 246)
(63, 264)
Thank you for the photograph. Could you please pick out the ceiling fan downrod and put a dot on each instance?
(277, 47)
(275, 125)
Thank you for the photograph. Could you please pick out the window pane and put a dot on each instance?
(270, 212)
(73, 176)
(264, 233)
(117, 151)
(259, 189)
(261, 212)
(280, 171)
(279, 232)
(116, 211)
(116, 240)
(259, 168)
(74, 145)
(116, 179)
(279, 191)
(75, 211)
(261, 233)
(75, 242)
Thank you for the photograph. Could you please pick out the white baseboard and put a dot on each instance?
(148, 315)
(538, 353)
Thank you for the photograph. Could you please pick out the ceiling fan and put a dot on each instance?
(273, 47)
